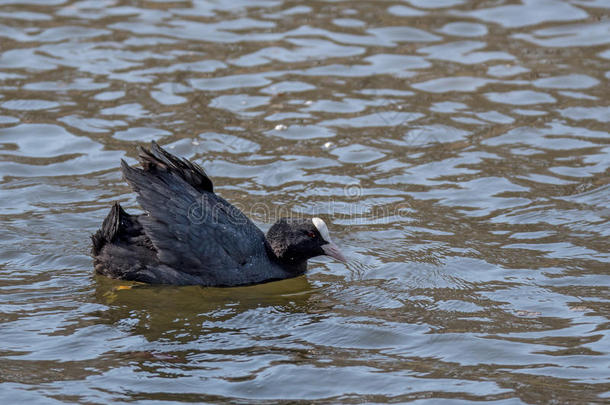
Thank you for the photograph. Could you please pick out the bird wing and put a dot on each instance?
(194, 230)
(157, 158)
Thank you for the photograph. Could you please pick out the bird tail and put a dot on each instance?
(110, 228)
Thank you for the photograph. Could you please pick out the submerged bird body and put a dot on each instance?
(191, 236)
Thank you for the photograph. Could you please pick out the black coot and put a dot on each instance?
(190, 235)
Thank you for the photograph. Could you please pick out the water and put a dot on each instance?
(459, 150)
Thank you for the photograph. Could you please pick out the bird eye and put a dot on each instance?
(311, 234)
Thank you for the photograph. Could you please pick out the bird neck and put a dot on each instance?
(279, 253)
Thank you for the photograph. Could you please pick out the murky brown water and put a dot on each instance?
(461, 151)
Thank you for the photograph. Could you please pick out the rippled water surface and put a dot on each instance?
(460, 151)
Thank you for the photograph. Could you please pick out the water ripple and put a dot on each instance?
(458, 151)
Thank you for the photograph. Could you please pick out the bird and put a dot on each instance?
(189, 235)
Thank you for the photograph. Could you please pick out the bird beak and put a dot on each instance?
(332, 250)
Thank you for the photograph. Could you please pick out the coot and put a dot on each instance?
(190, 235)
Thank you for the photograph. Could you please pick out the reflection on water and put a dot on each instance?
(459, 149)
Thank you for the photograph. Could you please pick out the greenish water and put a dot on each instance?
(459, 151)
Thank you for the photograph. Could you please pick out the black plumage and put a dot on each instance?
(190, 235)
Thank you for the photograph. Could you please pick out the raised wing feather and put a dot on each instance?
(158, 158)
(194, 230)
